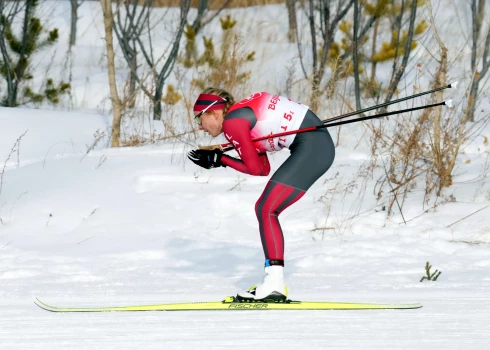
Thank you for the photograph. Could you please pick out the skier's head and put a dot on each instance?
(210, 109)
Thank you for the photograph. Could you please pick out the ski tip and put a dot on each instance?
(41, 305)
(39, 301)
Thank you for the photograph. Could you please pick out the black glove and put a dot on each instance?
(206, 159)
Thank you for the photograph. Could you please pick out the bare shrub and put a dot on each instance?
(15, 149)
(421, 149)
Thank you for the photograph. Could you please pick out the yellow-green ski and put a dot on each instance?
(230, 303)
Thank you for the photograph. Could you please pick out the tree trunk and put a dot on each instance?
(474, 69)
(315, 92)
(440, 80)
(328, 23)
(73, 26)
(9, 76)
(190, 47)
(23, 57)
(372, 81)
(132, 79)
(201, 9)
(292, 20)
(315, 84)
(157, 102)
(477, 18)
(355, 55)
(398, 73)
(157, 108)
(169, 63)
(116, 102)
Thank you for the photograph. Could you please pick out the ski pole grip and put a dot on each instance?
(210, 148)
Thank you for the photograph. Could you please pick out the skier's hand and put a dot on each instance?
(205, 158)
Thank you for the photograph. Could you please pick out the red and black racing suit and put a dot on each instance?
(312, 154)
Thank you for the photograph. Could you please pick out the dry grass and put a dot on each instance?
(217, 4)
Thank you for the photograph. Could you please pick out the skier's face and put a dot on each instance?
(212, 122)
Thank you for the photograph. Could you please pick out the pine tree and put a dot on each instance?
(226, 71)
(15, 66)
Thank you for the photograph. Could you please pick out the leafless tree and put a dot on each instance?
(398, 69)
(117, 106)
(477, 15)
(293, 24)
(329, 17)
(128, 28)
(129, 31)
(355, 55)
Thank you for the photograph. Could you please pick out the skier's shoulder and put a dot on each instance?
(252, 101)
(243, 113)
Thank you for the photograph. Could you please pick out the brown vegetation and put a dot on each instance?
(217, 4)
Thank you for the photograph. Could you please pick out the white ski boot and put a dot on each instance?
(273, 289)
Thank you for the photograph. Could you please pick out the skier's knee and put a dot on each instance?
(264, 208)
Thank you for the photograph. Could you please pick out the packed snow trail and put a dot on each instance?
(445, 322)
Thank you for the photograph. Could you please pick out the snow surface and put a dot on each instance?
(94, 226)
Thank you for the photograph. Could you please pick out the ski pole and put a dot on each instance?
(447, 103)
(227, 146)
(449, 86)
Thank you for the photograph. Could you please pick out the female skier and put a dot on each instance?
(312, 154)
